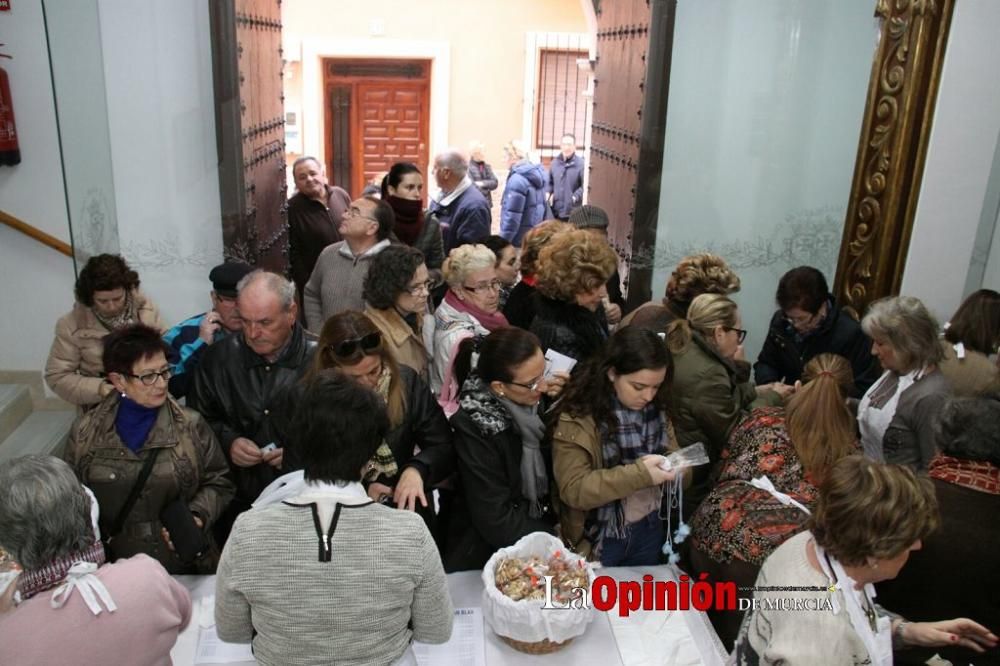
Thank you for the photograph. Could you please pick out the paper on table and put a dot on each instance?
(212, 650)
(654, 638)
(558, 363)
(466, 647)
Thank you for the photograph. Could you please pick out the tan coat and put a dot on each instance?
(75, 365)
(970, 376)
(406, 344)
(584, 483)
(191, 465)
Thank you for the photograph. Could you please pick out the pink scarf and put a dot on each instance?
(491, 321)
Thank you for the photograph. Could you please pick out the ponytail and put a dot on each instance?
(819, 423)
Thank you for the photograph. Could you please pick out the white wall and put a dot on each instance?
(959, 160)
(160, 118)
(36, 287)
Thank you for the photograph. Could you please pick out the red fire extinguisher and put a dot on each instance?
(10, 152)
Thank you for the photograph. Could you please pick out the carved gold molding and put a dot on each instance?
(894, 136)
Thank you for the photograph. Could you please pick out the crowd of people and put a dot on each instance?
(332, 444)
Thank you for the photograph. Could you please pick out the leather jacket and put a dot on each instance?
(240, 394)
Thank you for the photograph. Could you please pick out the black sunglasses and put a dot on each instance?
(366, 344)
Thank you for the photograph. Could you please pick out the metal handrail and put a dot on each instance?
(39, 235)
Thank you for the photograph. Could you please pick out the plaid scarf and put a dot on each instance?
(383, 463)
(972, 474)
(127, 316)
(38, 580)
(638, 433)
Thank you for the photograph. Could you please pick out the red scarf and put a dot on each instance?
(971, 474)
(409, 218)
(529, 280)
(491, 321)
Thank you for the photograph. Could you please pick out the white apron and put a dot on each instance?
(874, 421)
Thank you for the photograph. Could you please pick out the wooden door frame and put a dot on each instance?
(330, 80)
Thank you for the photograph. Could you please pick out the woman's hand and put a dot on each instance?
(376, 491)
(960, 631)
(165, 535)
(556, 383)
(652, 463)
(410, 489)
(782, 389)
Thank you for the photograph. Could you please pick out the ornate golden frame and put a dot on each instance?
(890, 163)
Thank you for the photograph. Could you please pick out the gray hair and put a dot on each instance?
(908, 327)
(44, 511)
(282, 288)
(967, 428)
(303, 160)
(466, 259)
(453, 159)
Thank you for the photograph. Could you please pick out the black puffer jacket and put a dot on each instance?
(490, 510)
(785, 354)
(569, 328)
(241, 394)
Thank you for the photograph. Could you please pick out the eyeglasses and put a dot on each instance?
(354, 211)
(367, 343)
(799, 322)
(488, 286)
(533, 386)
(423, 287)
(150, 378)
(741, 332)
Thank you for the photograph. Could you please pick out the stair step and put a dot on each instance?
(15, 405)
(44, 433)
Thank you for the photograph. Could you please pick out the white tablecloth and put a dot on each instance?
(675, 637)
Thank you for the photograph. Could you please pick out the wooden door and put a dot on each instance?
(627, 131)
(385, 105)
(250, 130)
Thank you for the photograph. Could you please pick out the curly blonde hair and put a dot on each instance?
(537, 238)
(700, 274)
(574, 262)
(466, 259)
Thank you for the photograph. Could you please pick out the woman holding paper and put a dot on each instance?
(868, 519)
(607, 448)
(787, 451)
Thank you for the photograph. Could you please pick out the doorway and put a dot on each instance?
(377, 113)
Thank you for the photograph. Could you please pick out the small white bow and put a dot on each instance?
(764, 483)
(81, 577)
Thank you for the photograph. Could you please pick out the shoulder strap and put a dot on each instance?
(133, 495)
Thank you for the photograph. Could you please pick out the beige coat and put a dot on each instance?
(970, 376)
(75, 365)
(583, 481)
(406, 344)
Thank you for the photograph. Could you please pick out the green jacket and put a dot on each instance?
(709, 396)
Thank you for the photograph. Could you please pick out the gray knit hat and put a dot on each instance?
(589, 217)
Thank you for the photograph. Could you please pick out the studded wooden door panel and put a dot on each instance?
(626, 154)
(392, 126)
(250, 126)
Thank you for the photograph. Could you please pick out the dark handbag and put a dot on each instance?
(133, 496)
(189, 540)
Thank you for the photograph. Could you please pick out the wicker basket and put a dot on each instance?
(544, 646)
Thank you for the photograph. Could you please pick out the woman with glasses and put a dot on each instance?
(397, 474)
(503, 482)
(470, 307)
(608, 442)
(396, 293)
(107, 298)
(572, 274)
(712, 389)
(149, 461)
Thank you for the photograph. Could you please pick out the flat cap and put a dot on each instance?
(589, 217)
(226, 276)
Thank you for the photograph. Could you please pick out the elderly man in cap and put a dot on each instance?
(595, 220)
(190, 338)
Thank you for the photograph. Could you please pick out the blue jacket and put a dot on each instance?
(467, 219)
(523, 203)
(186, 348)
(565, 184)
